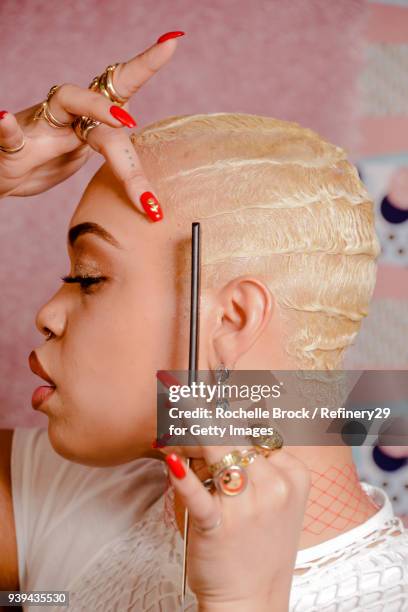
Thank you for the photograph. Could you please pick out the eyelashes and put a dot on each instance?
(85, 282)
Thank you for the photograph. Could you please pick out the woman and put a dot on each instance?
(45, 498)
(288, 270)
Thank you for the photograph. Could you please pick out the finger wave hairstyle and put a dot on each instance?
(279, 202)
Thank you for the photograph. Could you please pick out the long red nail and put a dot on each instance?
(122, 116)
(161, 442)
(169, 35)
(151, 205)
(176, 466)
(2, 113)
(167, 379)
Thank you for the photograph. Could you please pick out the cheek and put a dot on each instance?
(111, 354)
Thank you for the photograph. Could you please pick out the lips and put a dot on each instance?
(36, 368)
(41, 393)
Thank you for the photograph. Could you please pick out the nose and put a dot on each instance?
(52, 316)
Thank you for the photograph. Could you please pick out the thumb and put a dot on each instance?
(11, 134)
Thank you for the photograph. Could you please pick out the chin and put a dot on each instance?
(72, 446)
(63, 442)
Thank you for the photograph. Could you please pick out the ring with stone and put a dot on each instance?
(231, 480)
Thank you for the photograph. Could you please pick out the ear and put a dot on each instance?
(244, 308)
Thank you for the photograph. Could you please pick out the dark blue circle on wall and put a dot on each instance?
(392, 213)
(387, 463)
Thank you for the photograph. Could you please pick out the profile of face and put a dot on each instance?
(110, 337)
(264, 241)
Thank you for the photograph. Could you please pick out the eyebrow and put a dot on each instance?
(91, 228)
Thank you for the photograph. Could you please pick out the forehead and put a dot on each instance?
(106, 203)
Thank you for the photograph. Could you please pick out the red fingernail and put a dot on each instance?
(176, 466)
(122, 116)
(167, 379)
(161, 442)
(151, 205)
(169, 35)
(2, 113)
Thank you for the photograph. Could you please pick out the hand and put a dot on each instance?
(51, 155)
(245, 563)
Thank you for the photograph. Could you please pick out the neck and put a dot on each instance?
(336, 503)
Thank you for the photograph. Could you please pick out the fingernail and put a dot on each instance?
(169, 35)
(176, 466)
(2, 114)
(167, 379)
(121, 115)
(151, 205)
(161, 442)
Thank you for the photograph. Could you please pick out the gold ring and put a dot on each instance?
(231, 480)
(104, 83)
(13, 149)
(83, 125)
(207, 529)
(235, 457)
(44, 111)
(264, 445)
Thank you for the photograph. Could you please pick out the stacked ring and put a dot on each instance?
(44, 111)
(82, 125)
(104, 83)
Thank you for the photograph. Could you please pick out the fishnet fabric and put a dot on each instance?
(335, 502)
(141, 572)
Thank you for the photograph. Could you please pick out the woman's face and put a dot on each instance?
(110, 338)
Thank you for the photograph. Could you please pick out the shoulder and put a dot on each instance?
(50, 482)
(55, 499)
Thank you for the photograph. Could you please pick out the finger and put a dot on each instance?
(11, 134)
(256, 473)
(129, 76)
(204, 508)
(293, 468)
(71, 100)
(120, 153)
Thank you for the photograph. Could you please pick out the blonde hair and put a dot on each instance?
(280, 203)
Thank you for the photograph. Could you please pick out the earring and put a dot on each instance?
(221, 373)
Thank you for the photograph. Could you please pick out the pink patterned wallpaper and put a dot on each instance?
(297, 61)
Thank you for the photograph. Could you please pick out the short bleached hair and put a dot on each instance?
(281, 203)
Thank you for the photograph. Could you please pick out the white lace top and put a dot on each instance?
(104, 535)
